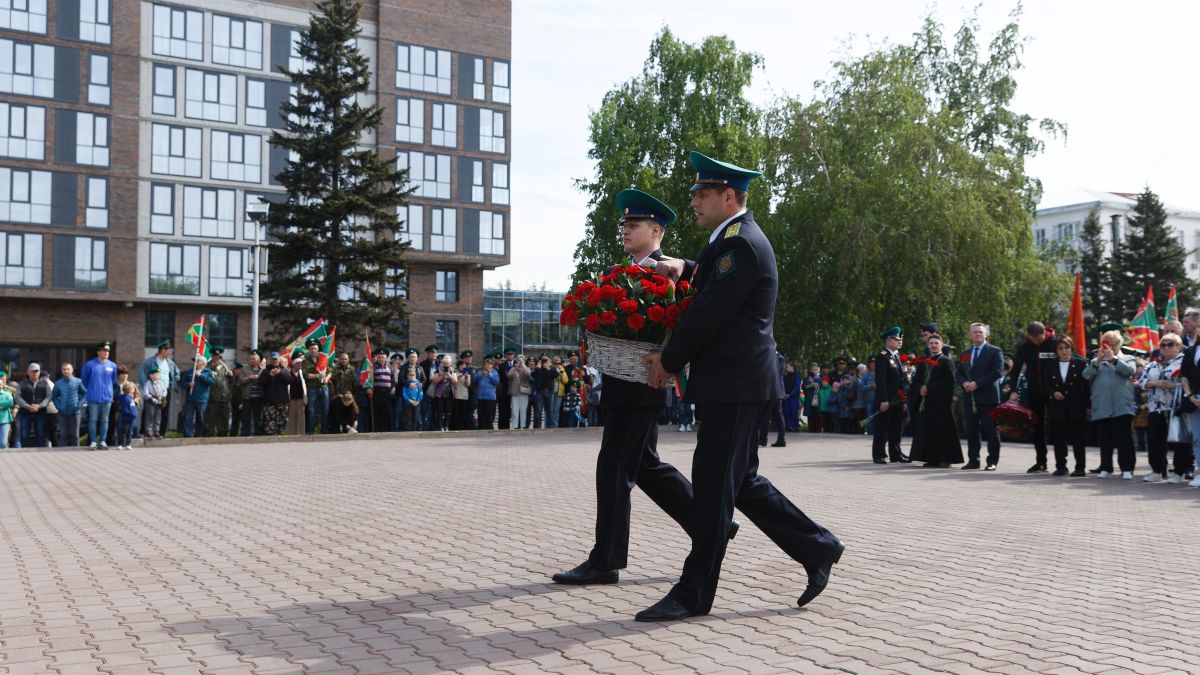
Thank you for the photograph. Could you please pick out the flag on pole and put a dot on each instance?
(328, 347)
(1171, 313)
(199, 337)
(1075, 328)
(316, 329)
(366, 372)
(681, 383)
(1143, 332)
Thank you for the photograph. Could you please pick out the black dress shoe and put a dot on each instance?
(970, 465)
(903, 459)
(881, 461)
(667, 609)
(930, 465)
(779, 444)
(586, 573)
(1093, 470)
(1078, 472)
(944, 465)
(1061, 471)
(818, 578)
(733, 529)
(1036, 468)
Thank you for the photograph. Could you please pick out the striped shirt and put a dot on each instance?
(383, 378)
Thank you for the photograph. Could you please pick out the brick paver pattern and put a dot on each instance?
(434, 555)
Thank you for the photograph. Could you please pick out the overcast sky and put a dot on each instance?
(1121, 76)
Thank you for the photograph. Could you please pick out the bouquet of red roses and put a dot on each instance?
(627, 313)
(1013, 420)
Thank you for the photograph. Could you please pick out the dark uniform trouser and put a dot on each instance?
(381, 410)
(505, 403)
(629, 456)
(888, 427)
(1038, 406)
(724, 475)
(216, 418)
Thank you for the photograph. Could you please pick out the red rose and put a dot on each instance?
(656, 313)
(659, 279)
(627, 306)
(569, 317)
(670, 323)
(568, 300)
(647, 285)
(593, 299)
(592, 322)
(685, 304)
(585, 289)
(661, 290)
(635, 270)
(683, 286)
(608, 317)
(636, 321)
(673, 312)
(965, 357)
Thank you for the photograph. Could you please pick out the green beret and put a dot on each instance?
(152, 369)
(104, 345)
(465, 353)
(217, 350)
(257, 352)
(1111, 325)
(166, 344)
(411, 351)
(312, 342)
(382, 350)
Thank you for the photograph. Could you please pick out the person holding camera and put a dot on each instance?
(275, 381)
(461, 417)
(441, 390)
(519, 384)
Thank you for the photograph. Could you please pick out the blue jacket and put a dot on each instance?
(128, 408)
(68, 395)
(411, 394)
(204, 383)
(486, 385)
(98, 380)
(986, 372)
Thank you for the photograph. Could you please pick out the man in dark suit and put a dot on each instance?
(979, 373)
(629, 447)
(913, 404)
(731, 325)
(503, 399)
(890, 382)
(1038, 350)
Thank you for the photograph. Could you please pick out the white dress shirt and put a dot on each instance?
(721, 228)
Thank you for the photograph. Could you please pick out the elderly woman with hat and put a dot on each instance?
(275, 381)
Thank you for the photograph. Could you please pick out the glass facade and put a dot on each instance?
(526, 320)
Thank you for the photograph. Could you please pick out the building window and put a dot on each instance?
(395, 286)
(428, 173)
(1066, 231)
(162, 208)
(1039, 237)
(256, 103)
(237, 42)
(26, 69)
(491, 233)
(499, 183)
(423, 69)
(160, 325)
(174, 269)
(164, 90)
(210, 96)
(445, 125)
(445, 333)
(491, 131)
(179, 32)
(236, 157)
(222, 330)
(413, 227)
(25, 196)
(500, 91)
(410, 120)
(99, 79)
(24, 15)
(443, 230)
(91, 139)
(20, 259)
(478, 91)
(227, 275)
(95, 21)
(22, 131)
(447, 286)
(296, 63)
(175, 150)
(477, 180)
(91, 264)
(97, 202)
(208, 212)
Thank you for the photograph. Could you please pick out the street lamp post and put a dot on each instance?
(257, 211)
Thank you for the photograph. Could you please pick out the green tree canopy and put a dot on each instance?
(338, 254)
(1151, 254)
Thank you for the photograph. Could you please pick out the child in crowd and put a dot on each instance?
(412, 404)
(127, 415)
(154, 394)
(571, 406)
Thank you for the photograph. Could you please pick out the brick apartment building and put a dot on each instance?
(132, 134)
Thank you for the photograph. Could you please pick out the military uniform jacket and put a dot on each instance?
(728, 334)
(223, 377)
(618, 392)
(890, 379)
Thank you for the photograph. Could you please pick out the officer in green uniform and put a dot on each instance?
(730, 328)
(216, 418)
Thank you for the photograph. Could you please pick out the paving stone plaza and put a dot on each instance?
(424, 555)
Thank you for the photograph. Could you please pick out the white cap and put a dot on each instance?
(33, 367)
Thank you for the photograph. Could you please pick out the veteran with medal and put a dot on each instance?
(629, 447)
(730, 325)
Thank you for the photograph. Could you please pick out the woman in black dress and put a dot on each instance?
(936, 442)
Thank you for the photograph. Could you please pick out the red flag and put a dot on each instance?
(1143, 332)
(1075, 321)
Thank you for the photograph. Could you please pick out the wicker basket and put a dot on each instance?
(621, 359)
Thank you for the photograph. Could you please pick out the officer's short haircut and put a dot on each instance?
(739, 196)
(1036, 328)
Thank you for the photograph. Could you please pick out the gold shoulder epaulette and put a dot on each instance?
(733, 230)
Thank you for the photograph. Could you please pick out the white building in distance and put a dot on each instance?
(1060, 218)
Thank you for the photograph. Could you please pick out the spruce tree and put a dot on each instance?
(338, 253)
(1150, 255)
(1095, 270)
